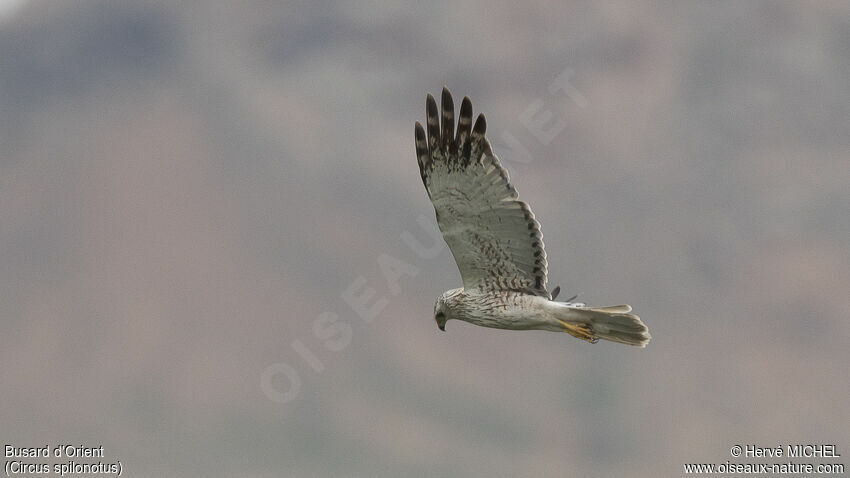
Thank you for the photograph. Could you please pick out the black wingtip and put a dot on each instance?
(447, 99)
(421, 143)
(430, 107)
(433, 123)
(422, 155)
(464, 121)
(480, 125)
(466, 108)
(448, 120)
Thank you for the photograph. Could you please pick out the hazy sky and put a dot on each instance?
(9, 7)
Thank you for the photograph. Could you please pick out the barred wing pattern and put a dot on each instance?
(494, 238)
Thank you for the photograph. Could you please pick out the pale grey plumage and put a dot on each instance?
(495, 239)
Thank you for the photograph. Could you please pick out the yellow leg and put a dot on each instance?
(583, 332)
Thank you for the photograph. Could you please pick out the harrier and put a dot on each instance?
(496, 241)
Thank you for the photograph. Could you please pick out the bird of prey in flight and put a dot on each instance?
(495, 240)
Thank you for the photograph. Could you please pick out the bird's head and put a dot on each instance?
(440, 314)
(443, 309)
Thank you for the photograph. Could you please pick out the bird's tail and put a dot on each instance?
(613, 323)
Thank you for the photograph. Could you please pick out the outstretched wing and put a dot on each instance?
(495, 240)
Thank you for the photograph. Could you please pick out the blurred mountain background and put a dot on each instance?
(188, 190)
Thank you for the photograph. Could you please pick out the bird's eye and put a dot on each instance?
(440, 315)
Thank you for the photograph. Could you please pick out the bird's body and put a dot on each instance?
(500, 309)
(496, 241)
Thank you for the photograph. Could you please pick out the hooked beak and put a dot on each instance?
(442, 326)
